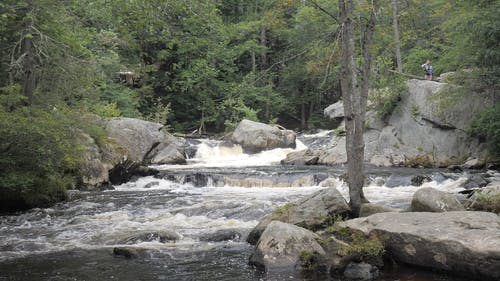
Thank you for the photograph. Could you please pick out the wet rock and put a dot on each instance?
(303, 157)
(222, 235)
(170, 151)
(191, 147)
(255, 137)
(280, 246)
(361, 271)
(398, 180)
(126, 252)
(432, 200)
(310, 212)
(368, 209)
(419, 180)
(160, 236)
(475, 181)
(126, 170)
(151, 184)
(465, 242)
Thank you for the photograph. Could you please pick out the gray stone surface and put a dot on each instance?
(368, 209)
(310, 212)
(255, 137)
(361, 271)
(136, 136)
(303, 157)
(432, 200)
(281, 244)
(335, 110)
(170, 151)
(418, 127)
(460, 242)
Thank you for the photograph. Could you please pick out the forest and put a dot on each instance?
(202, 66)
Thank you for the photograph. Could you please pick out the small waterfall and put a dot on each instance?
(212, 153)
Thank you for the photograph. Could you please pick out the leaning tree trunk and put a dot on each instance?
(354, 96)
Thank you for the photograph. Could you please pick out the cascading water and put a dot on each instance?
(189, 224)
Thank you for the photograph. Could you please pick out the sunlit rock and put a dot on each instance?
(432, 200)
(280, 246)
(255, 137)
(465, 243)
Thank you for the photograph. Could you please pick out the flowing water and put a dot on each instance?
(209, 206)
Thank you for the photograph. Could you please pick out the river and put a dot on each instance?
(209, 205)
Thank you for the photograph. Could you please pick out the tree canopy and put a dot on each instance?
(205, 65)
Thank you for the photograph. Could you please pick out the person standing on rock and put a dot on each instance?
(427, 67)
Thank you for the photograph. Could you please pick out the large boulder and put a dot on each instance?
(429, 199)
(281, 245)
(136, 136)
(310, 212)
(302, 157)
(93, 170)
(335, 110)
(419, 132)
(255, 137)
(170, 151)
(462, 242)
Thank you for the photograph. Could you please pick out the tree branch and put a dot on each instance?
(317, 6)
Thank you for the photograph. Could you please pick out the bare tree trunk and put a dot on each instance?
(29, 59)
(254, 64)
(396, 34)
(354, 96)
(263, 42)
(303, 121)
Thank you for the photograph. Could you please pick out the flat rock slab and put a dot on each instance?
(460, 242)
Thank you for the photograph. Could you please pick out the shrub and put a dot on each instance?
(363, 245)
(37, 154)
(487, 128)
(488, 203)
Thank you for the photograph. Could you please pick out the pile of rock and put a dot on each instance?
(435, 232)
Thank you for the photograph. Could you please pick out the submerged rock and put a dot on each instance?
(148, 236)
(281, 245)
(222, 235)
(432, 200)
(310, 212)
(361, 271)
(255, 137)
(458, 242)
(126, 252)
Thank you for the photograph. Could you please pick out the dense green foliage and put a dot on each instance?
(205, 65)
(37, 154)
(487, 128)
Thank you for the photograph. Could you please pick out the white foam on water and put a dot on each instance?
(320, 134)
(400, 196)
(212, 153)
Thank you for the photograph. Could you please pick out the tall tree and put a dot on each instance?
(395, 25)
(355, 94)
